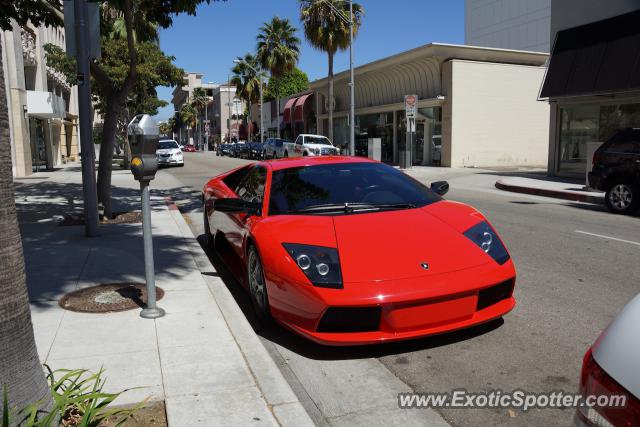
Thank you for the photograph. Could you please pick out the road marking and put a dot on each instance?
(609, 237)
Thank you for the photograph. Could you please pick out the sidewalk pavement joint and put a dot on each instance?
(553, 189)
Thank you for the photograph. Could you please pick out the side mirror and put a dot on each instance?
(440, 187)
(233, 205)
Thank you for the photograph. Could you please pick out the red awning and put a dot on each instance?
(287, 110)
(298, 115)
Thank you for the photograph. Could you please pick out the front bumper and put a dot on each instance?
(170, 160)
(409, 308)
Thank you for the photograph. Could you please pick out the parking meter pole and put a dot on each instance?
(151, 311)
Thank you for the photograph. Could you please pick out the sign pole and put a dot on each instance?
(89, 190)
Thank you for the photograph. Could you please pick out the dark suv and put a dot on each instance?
(616, 170)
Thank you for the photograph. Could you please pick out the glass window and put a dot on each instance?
(336, 184)
(251, 186)
(320, 140)
(167, 144)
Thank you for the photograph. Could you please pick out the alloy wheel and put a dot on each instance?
(257, 286)
(621, 196)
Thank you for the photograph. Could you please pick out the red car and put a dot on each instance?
(189, 148)
(346, 250)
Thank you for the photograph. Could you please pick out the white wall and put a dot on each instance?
(495, 117)
(508, 24)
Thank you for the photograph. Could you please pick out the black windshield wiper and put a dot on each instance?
(353, 207)
(335, 207)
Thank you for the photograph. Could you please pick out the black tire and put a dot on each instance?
(207, 231)
(286, 154)
(622, 197)
(258, 286)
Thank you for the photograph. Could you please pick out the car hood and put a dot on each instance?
(394, 245)
(169, 151)
(318, 146)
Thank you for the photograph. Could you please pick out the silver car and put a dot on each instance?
(612, 367)
(276, 148)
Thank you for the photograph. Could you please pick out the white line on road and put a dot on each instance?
(609, 237)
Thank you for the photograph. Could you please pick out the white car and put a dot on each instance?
(169, 153)
(316, 145)
(611, 367)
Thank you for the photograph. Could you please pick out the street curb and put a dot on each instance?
(276, 391)
(557, 194)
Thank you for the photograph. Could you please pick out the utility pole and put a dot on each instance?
(89, 190)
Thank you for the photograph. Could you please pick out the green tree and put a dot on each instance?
(189, 117)
(246, 78)
(154, 69)
(136, 15)
(326, 30)
(20, 371)
(293, 82)
(199, 101)
(278, 50)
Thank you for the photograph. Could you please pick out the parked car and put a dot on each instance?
(616, 170)
(316, 145)
(244, 150)
(169, 153)
(189, 148)
(256, 150)
(234, 150)
(224, 150)
(297, 234)
(612, 367)
(274, 148)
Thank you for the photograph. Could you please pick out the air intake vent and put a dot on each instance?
(350, 319)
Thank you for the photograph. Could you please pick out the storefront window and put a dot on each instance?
(38, 149)
(427, 146)
(583, 124)
(375, 126)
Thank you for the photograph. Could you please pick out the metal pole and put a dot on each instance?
(229, 105)
(261, 112)
(206, 124)
(151, 311)
(352, 112)
(89, 190)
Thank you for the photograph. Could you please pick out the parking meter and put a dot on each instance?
(143, 133)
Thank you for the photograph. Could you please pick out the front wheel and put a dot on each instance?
(258, 287)
(286, 154)
(207, 231)
(622, 197)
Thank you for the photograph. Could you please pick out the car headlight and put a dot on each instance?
(320, 264)
(486, 238)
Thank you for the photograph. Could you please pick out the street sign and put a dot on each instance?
(410, 106)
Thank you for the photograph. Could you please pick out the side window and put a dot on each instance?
(299, 140)
(234, 178)
(251, 186)
(625, 147)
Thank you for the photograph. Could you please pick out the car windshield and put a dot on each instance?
(166, 145)
(345, 188)
(321, 140)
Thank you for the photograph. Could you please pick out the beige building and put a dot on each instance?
(42, 107)
(477, 107)
(224, 111)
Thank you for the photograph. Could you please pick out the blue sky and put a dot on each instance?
(209, 42)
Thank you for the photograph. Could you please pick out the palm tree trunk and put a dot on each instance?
(109, 131)
(278, 115)
(20, 369)
(330, 132)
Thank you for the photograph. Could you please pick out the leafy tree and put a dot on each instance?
(293, 82)
(154, 69)
(199, 101)
(21, 374)
(189, 117)
(278, 50)
(326, 30)
(246, 77)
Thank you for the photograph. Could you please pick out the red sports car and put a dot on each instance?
(189, 148)
(346, 250)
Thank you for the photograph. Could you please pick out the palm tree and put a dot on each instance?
(327, 31)
(189, 116)
(278, 50)
(199, 100)
(247, 80)
(21, 372)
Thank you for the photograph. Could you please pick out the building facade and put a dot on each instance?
(477, 107)
(509, 24)
(224, 112)
(592, 82)
(43, 109)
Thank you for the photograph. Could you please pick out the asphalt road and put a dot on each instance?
(573, 278)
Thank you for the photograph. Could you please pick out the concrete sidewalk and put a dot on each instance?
(550, 188)
(203, 358)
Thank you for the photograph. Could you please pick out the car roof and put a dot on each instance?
(296, 162)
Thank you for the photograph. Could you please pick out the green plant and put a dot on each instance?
(78, 400)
